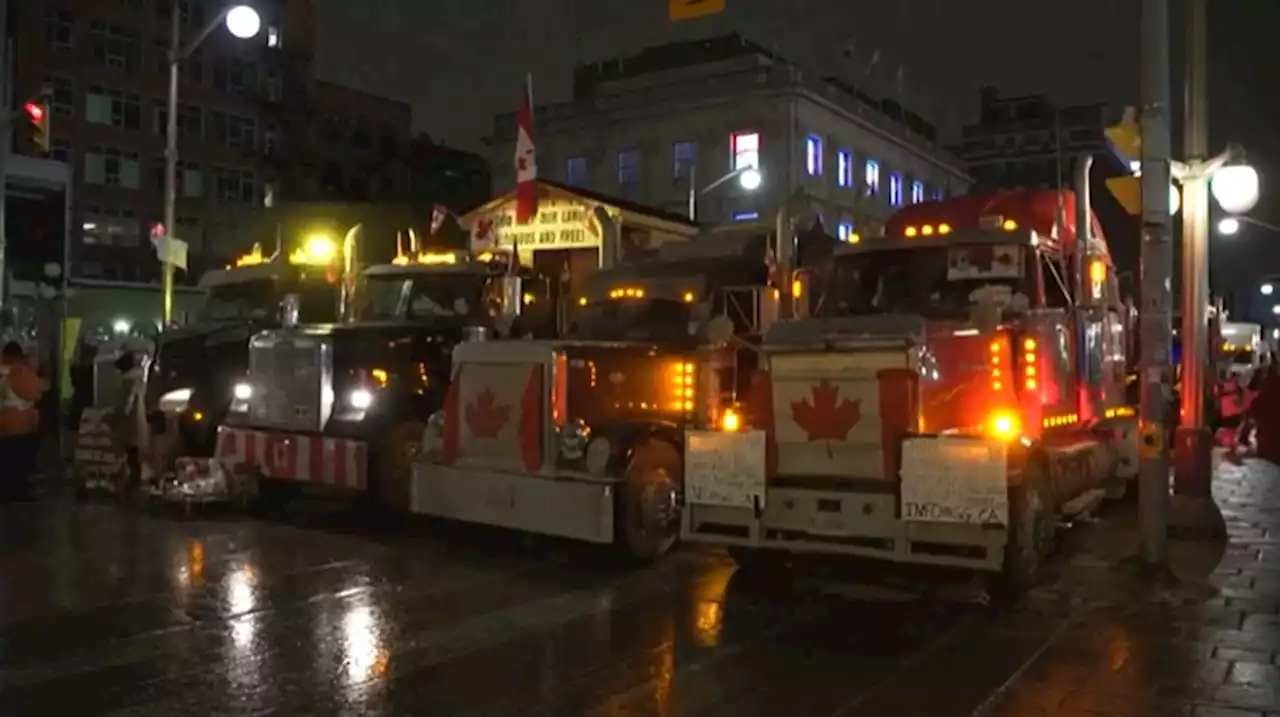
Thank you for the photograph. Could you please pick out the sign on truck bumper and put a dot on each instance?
(319, 460)
(947, 507)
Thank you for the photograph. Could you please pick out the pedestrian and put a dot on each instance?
(20, 390)
(130, 420)
(1231, 408)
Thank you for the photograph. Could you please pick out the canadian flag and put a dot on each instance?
(525, 160)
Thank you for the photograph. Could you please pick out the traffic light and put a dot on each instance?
(37, 112)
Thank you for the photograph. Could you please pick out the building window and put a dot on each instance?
(236, 76)
(871, 176)
(190, 12)
(744, 149)
(236, 185)
(683, 158)
(575, 171)
(109, 226)
(115, 46)
(937, 195)
(844, 168)
(113, 107)
(189, 178)
(58, 31)
(813, 155)
(745, 216)
(917, 192)
(234, 131)
(844, 231)
(63, 94)
(628, 166)
(895, 190)
(190, 119)
(273, 36)
(111, 167)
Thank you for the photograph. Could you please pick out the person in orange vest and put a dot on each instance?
(20, 391)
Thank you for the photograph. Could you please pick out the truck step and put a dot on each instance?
(1082, 504)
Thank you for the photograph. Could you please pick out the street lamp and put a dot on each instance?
(1230, 226)
(749, 178)
(243, 22)
(1235, 187)
(1267, 289)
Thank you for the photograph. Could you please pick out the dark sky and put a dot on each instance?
(462, 61)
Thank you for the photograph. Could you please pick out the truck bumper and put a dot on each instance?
(852, 523)
(580, 508)
(319, 460)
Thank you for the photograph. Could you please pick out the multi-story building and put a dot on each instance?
(359, 145)
(651, 127)
(1029, 142)
(241, 118)
(447, 176)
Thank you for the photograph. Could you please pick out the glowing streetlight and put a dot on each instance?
(750, 179)
(1267, 289)
(243, 21)
(1230, 226)
(1235, 186)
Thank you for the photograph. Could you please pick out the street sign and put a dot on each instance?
(170, 250)
(1128, 192)
(678, 10)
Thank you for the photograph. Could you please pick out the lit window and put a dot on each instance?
(628, 166)
(575, 171)
(744, 148)
(895, 190)
(917, 192)
(937, 195)
(872, 177)
(844, 168)
(273, 37)
(844, 231)
(813, 155)
(745, 216)
(682, 158)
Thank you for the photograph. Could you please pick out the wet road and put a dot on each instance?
(105, 611)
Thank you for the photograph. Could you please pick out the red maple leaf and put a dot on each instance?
(485, 417)
(823, 418)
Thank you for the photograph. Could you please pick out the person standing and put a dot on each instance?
(20, 390)
(130, 420)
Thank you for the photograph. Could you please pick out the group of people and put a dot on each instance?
(1249, 413)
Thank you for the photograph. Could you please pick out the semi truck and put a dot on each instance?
(945, 396)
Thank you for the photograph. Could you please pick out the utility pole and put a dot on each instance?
(1156, 312)
(6, 143)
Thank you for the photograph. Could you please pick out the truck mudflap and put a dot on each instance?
(319, 460)
(950, 507)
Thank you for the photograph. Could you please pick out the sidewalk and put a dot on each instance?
(1207, 647)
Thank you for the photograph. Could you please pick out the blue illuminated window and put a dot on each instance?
(745, 216)
(872, 177)
(813, 155)
(844, 168)
(895, 190)
(844, 231)
(575, 171)
(917, 192)
(628, 166)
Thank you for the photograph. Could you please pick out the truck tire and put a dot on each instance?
(395, 456)
(1031, 529)
(649, 514)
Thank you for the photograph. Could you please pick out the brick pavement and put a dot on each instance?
(1119, 646)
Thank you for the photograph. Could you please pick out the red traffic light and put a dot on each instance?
(34, 111)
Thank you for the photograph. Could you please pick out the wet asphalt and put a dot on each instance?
(112, 611)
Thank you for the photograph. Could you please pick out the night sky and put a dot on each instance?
(462, 61)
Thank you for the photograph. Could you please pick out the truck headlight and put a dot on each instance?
(176, 401)
(574, 438)
(360, 399)
(242, 391)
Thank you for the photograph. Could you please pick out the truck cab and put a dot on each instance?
(196, 365)
(342, 406)
(945, 393)
(583, 436)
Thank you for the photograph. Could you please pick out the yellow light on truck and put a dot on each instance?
(854, 238)
(1097, 271)
(730, 422)
(944, 228)
(1004, 425)
(910, 231)
(688, 297)
(379, 376)
(926, 230)
(1029, 345)
(1009, 225)
(253, 258)
(797, 288)
(582, 301)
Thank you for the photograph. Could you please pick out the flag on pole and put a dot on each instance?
(525, 160)
(678, 10)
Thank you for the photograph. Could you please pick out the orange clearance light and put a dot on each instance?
(688, 297)
(995, 347)
(1029, 345)
(1009, 225)
(910, 231)
(854, 238)
(927, 230)
(1005, 425)
(730, 422)
(797, 288)
(944, 228)
(1097, 272)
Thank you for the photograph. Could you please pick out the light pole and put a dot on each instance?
(243, 22)
(748, 177)
(1235, 187)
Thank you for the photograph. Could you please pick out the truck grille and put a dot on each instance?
(292, 378)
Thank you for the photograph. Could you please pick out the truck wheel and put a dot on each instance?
(396, 453)
(651, 498)
(1031, 530)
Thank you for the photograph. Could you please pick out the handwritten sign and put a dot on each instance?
(98, 460)
(955, 480)
(724, 468)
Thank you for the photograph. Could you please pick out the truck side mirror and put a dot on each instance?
(510, 293)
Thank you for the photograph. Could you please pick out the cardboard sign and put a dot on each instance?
(97, 457)
(955, 480)
(725, 468)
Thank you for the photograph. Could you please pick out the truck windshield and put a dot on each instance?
(421, 297)
(1243, 357)
(633, 320)
(935, 282)
(260, 299)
